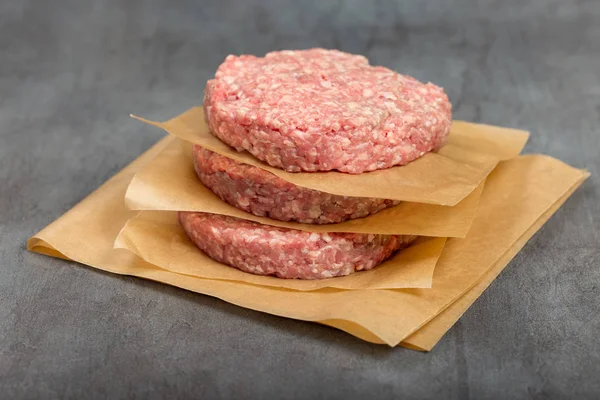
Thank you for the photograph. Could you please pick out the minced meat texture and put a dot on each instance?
(322, 110)
(287, 253)
(261, 193)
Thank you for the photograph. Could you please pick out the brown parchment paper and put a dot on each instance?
(158, 238)
(516, 195)
(443, 178)
(170, 183)
(430, 334)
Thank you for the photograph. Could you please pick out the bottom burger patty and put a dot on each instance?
(261, 193)
(287, 253)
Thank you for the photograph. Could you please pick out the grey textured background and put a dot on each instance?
(72, 70)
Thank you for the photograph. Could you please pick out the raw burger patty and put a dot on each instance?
(322, 110)
(261, 193)
(287, 253)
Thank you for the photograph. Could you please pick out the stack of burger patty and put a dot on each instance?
(308, 111)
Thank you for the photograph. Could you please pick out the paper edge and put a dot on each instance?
(137, 204)
(450, 203)
(520, 244)
(119, 243)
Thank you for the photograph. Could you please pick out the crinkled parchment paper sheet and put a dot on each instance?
(170, 183)
(443, 178)
(157, 237)
(516, 196)
(426, 337)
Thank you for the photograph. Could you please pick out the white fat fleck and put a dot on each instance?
(360, 121)
(326, 274)
(391, 106)
(314, 254)
(315, 211)
(243, 201)
(345, 141)
(409, 119)
(300, 134)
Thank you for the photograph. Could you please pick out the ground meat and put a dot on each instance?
(322, 110)
(261, 193)
(287, 253)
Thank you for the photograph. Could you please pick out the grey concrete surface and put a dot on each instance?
(72, 70)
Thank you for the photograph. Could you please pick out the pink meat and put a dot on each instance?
(322, 110)
(261, 193)
(287, 253)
